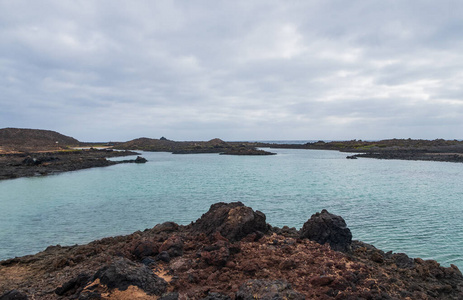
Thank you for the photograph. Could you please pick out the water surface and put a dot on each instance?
(403, 206)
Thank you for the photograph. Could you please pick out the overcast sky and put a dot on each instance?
(236, 70)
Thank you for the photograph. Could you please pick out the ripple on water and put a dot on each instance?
(412, 207)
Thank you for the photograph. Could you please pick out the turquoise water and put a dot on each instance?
(404, 206)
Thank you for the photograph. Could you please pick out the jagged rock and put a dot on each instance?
(216, 296)
(166, 227)
(163, 256)
(29, 161)
(403, 261)
(170, 296)
(13, 295)
(74, 285)
(173, 245)
(327, 228)
(267, 290)
(216, 254)
(140, 160)
(123, 273)
(145, 248)
(233, 221)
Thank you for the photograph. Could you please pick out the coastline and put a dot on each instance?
(29, 164)
(228, 253)
(399, 149)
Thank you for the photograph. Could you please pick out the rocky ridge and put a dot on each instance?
(212, 146)
(229, 253)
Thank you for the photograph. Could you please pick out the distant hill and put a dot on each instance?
(23, 140)
(163, 144)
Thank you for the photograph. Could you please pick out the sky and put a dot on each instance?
(113, 70)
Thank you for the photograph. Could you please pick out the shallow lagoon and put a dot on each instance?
(404, 206)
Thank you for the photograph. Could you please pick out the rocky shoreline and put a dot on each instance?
(401, 149)
(229, 253)
(30, 164)
(175, 147)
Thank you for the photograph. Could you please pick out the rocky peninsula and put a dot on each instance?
(403, 149)
(229, 253)
(33, 152)
(175, 147)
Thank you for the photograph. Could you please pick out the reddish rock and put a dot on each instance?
(267, 290)
(321, 280)
(145, 248)
(173, 245)
(217, 254)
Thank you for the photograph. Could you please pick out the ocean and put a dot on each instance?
(413, 207)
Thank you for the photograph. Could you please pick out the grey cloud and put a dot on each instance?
(236, 70)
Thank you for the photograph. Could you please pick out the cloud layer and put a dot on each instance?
(239, 70)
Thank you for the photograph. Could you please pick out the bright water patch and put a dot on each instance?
(403, 206)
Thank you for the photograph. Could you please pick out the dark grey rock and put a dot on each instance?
(163, 256)
(14, 295)
(328, 228)
(74, 285)
(170, 296)
(233, 221)
(216, 296)
(140, 160)
(123, 273)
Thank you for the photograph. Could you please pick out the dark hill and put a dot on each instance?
(20, 139)
(213, 146)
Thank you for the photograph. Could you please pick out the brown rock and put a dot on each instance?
(267, 290)
(173, 245)
(233, 221)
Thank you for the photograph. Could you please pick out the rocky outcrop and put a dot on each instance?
(43, 163)
(327, 228)
(233, 221)
(140, 160)
(217, 257)
(123, 273)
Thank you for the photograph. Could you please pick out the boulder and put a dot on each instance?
(328, 228)
(233, 221)
(123, 273)
(73, 286)
(267, 290)
(140, 160)
(173, 245)
(13, 295)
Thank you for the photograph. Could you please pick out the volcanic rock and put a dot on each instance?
(74, 285)
(173, 245)
(140, 160)
(123, 273)
(267, 290)
(328, 228)
(13, 295)
(233, 221)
